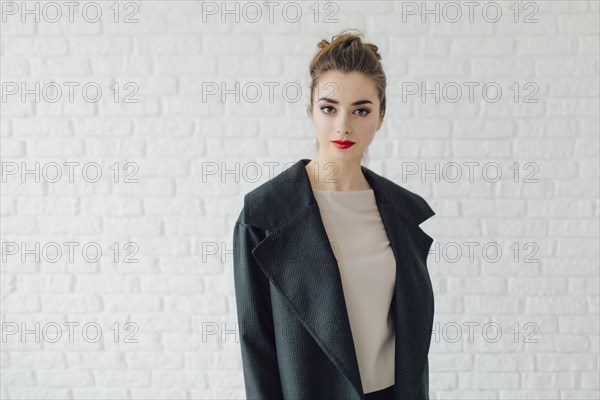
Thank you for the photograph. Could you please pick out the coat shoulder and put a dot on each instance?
(412, 205)
(273, 201)
(289, 194)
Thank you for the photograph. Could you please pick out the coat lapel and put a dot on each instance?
(298, 259)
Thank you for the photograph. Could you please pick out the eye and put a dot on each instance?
(324, 107)
(363, 112)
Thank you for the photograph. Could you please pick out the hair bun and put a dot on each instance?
(322, 44)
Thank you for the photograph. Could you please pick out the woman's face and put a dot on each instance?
(345, 102)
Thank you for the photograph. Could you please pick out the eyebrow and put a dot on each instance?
(356, 103)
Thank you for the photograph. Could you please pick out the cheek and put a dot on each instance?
(369, 123)
(371, 126)
(322, 125)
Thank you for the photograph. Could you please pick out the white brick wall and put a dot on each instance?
(523, 324)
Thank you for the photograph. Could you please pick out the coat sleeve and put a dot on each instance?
(255, 318)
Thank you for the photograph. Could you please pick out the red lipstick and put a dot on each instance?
(342, 144)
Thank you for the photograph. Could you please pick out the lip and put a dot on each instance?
(342, 144)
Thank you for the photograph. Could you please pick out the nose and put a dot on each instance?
(344, 126)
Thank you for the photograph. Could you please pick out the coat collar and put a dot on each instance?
(290, 193)
(297, 258)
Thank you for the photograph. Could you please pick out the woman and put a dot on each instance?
(333, 295)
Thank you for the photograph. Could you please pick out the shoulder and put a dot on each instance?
(289, 194)
(408, 203)
(276, 199)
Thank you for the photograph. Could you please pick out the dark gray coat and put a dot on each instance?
(295, 335)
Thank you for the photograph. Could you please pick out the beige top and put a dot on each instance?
(368, 272)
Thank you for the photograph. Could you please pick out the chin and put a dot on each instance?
(344, 154)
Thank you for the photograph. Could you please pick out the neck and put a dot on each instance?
(336, 175)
